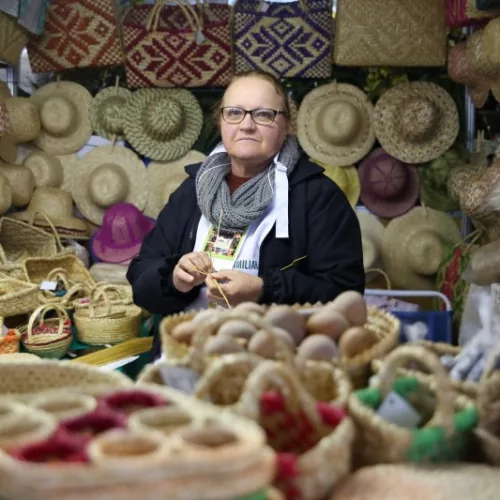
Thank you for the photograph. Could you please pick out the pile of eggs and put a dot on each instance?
(321, 333)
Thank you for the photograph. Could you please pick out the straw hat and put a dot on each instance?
(389, 187)
(372, 232)
(21, 181)
(334, 124)
(120, 237)
(347, 179)
(24, 119)
(107, 112)
(64, 115)
(162, 124)
(8, 150)
(108, 175)
(58, 206)
(414, 245)
(294, 112)
(165, 178)
(51, 170)
(115, 274)
(416, 122)
(5, 194)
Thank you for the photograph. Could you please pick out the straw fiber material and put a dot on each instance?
(17, 297)
(488, 431)
(390, 33)
(24, 119)
(13, 39)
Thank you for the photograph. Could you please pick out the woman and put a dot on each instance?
(257, 221)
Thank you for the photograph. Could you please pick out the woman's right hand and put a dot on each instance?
(187, 273)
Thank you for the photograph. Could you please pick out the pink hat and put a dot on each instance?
(119, 239)
(389, 187)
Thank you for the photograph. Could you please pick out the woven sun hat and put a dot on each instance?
(165, 178)
(108, 175)
(107, 112)
(21, 181)
(162, 124)
(116, 274)
(347, 179)
(51, 170)
(414, 245)
(334, 124)
(8, 150)
(416, 121)
(5, 195)
(24, 119)
(389, 187)
(64, 116)
(57, 205)
(119, 239)
(372, 232)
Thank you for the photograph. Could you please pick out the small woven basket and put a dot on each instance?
(17, 297)
(50, 338)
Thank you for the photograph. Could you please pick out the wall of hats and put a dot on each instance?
(125, 89)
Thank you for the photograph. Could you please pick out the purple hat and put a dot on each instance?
(119, 239)
(389, 187)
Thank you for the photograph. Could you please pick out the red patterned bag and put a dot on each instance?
(177, 45)
(78, 34)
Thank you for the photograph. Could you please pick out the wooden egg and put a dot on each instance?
(328, 322)
(222, 345)
(352, 306)
(183, 332)
(355, 340)
(237, 328)
(263, 345)
(251, 307)
(290, 320)
(317, 347)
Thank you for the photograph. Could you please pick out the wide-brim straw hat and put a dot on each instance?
(24, 119)
(108, 175)
(107, 112)
(414, 245)
(51, 170)
(372, 232)
(21, 181)
(416, 121)
(115, 274)
(334, 124)
(347, 179)
(165, 178)
(8, 150)
(5, 195)
(64, 116)
(57, 205)
(162, 124)
(389, 187)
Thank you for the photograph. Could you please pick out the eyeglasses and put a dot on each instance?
(260, 116)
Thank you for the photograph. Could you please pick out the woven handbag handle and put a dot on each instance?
(302, 4)
(41, 311)
(190, 13)
(402, 356)
(269, 375)
(388, 284)
(95, 299)
(31, 221)
(118, 290)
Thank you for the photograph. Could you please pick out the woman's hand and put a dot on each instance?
(191, 271)
(237, 287)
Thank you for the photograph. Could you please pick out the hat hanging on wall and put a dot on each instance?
(162, 124)
(389, 187)
(21, 181)
(24, 119)
(334, 124)
(347, 179)
(107, 175)
(58, 206)
(107, 111)
(51, 170)
(416, 121)
(482, 51)
(414, 245)
(64, 115)
(8, 150)
(119, 239)
(165, 178)
(372, 232)
(5, 194)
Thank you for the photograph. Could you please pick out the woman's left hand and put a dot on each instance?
(237, 287)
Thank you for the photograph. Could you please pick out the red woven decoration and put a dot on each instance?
(129, 401)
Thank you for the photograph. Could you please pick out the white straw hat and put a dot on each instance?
(24, 119)
(5, 194)
(21, 181)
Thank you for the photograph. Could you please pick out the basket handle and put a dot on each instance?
(41, 311)
(31, 221)
(190, 13)
(96, 295)
(406, 354)
(383, 274)
(118, 290)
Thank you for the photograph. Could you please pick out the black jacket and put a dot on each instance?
(322, 225)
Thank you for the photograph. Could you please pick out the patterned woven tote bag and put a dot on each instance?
(177, 45)
(292, 40)
(78, 34)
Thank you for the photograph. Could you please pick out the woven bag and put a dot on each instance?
(17, 297)
(177, 45)
(48, 338)
(449, 419)
(13, 39)
(390, 33)
(9, 343)
(488, 431)
(289, 40)
(78, 34)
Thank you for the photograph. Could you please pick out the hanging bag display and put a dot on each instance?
(177, 45)
(289, 40)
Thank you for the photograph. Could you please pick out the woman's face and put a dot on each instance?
(248, 141)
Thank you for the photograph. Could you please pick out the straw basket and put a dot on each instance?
(17, 297)
(50, 338)
(449, 419)
(9, 343)
(13, 39)
(106, 323)
(64, 405)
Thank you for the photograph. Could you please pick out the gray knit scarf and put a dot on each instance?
(249, 202)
